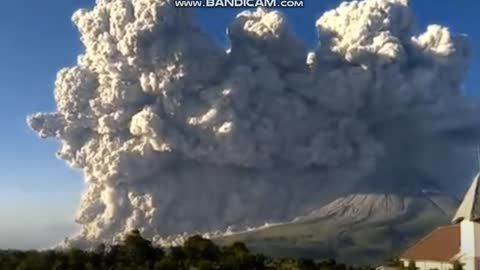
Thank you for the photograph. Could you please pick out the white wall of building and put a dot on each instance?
(429, 265)
(470, 244)
(470, 240)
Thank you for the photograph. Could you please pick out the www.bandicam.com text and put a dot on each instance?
(240, 3)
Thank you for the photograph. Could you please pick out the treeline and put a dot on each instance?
(136, 253)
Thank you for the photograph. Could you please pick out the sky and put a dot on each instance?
(38, 193)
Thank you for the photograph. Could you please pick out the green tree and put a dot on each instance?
(238, 248)
(76, 259)
(177, 254)
(296, 264)
(395, 262)
(412, 265)
(198, 248)
(166, 264)
(137, 253)
(205, 265)
(32, 261)
(137, 249)
(457, 266)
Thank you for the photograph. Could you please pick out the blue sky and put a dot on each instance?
(38, 193)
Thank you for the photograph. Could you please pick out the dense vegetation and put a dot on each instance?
(136, 253)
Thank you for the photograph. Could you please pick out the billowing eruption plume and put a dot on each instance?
(176, 134)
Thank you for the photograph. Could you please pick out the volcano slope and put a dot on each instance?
(364, 227)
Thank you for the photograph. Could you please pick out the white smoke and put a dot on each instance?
(176, 134)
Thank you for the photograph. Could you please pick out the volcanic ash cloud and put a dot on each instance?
(176, 134)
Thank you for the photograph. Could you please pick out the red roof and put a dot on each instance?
(441, 245)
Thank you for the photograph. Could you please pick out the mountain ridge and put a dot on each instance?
(359, 227)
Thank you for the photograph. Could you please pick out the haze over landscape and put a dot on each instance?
(166, 123)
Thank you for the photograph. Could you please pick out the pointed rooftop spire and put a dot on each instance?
(470, 207)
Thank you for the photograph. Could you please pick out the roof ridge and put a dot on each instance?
(447, 226)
